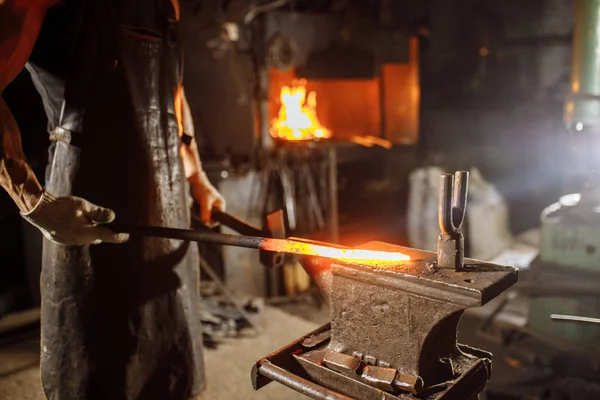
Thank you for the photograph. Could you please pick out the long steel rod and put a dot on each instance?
(299, 384)
(252, 242)
(574, 318)
(268, 244)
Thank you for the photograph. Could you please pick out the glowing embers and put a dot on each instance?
(297, 118)
(369, 257)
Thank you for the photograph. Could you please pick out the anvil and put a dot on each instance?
(394, 325)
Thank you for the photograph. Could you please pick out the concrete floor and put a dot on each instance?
(228, 367)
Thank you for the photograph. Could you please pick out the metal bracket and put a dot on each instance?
(274, 227)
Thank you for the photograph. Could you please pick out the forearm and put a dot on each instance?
(189, 152)
(16, 176)
(203, 192)
(20, 22)
(194, 171)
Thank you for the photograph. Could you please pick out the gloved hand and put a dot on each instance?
(206, 196)
(73, 221)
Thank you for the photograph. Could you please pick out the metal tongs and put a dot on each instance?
(270, 241)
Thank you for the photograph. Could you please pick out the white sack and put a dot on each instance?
(487, 217)
(422, 218)
(487, 214)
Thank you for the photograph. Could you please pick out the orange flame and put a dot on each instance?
(309, 249)
(298, 115)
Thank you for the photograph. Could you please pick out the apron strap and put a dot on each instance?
(59, 134)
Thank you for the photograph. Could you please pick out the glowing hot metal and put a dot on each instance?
(267, 244)
(309, 249)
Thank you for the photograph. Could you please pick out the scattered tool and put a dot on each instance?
(274, 226)
(218, 318)
(574, 318)
(228, 294)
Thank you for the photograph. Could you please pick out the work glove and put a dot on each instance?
(73, 221)
(207, 197)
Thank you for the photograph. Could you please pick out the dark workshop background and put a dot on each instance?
(494, 76)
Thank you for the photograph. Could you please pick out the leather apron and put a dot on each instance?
(122, 321)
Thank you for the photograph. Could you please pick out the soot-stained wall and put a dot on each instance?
(494, 80)
(218, 82)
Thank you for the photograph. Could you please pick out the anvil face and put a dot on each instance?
(405, 316)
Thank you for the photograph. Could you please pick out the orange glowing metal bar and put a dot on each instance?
(371, 257)
(309, 249)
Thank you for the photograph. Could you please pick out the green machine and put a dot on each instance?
(570, 248)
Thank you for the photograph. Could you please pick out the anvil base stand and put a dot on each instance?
(300, 366)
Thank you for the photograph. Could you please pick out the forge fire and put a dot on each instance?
(297, 119)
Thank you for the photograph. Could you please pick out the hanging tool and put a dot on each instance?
(268, 259)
